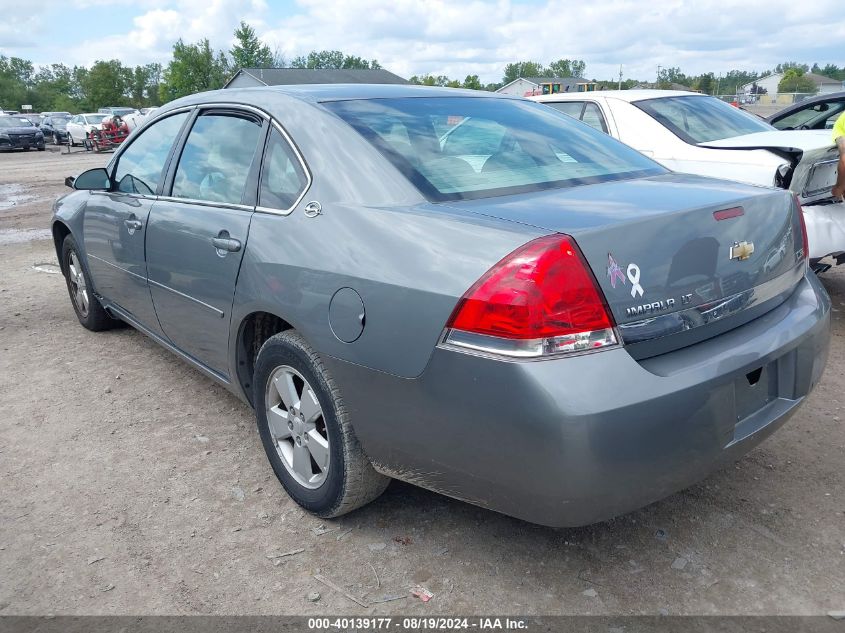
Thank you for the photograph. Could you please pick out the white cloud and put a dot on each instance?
(457, 38)
(153, 32)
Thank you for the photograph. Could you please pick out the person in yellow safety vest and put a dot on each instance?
(838, 190)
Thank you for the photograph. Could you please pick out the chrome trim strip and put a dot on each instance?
(445, 343)
(123, 194)
(703, 314)
(206, 203)
(120, 268)
(219, 313)
(302, 164)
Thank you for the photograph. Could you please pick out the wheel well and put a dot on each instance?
(60, 232)
(254, 331)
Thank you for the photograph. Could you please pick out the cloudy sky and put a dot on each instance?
(453, 38)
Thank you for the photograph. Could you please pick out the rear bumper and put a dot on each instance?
(582, 439)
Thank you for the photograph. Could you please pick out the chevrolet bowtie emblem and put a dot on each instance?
(742, 250)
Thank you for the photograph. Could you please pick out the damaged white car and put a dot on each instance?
(697, 134)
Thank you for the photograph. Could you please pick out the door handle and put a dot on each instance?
(226, 244)
(133, 224)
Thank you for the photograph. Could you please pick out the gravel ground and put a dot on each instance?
(133, 484)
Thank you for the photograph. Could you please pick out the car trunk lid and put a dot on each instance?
(679, 258)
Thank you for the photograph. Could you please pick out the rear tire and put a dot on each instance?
(70, 140)
(88, 310)
(309, 422)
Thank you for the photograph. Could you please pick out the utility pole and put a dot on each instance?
(620, 76)
(657, 83)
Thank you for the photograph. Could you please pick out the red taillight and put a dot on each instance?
(805, 243)
(541, 299)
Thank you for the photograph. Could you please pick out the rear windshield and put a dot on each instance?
(702, 119)
(457, 148)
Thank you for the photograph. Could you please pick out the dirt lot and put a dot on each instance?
(133, 484)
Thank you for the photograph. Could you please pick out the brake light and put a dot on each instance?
(540, 300)
(805, 243)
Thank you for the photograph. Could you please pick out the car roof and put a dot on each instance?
(316, 93)
(830, 96)
(623, 95)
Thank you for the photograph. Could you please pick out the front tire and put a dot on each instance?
(70, 140)
(306, 431)
(88, 310)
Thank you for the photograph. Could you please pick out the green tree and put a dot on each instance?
(107, 83)
(472, 82)
(669, 76)
(783, 67)
(435, 80)
(734, 79)
(516, 70)
(833, 71)
(145, 85)
(333, 59)
(794, 80)
(566, 68)
(15, 81)
(249, 51)
(194, 68)
(53, 88)
(706, 83)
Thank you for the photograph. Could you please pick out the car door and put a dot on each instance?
(115, 221)
(197, 234)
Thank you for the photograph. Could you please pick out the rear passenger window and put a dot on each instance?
(215, 162)
(593, 117)
(282, 176)
(572, 108)
(140, 165)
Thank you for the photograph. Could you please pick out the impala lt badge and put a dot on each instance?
(742, 250)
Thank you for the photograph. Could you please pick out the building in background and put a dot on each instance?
(530, 86)
(252, 77)
(769, 84)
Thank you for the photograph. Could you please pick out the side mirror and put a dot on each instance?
(91, 180)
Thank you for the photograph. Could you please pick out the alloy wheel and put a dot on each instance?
(297, 427)
(79, 289)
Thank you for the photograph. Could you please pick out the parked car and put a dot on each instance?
(54, 127)
(137, 118)
(697, 134)
(562, 331)
(815, 113)
(17, 132)
(80, 126)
